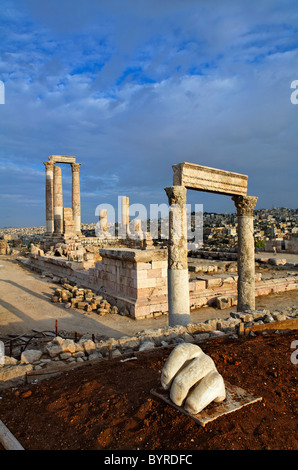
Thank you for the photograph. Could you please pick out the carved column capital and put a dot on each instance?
(75, 167)
(48, 165)
(176, 195)
(245, 205)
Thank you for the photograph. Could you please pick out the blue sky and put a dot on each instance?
(132, 87)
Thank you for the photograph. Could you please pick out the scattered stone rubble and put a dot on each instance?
(61, 352)
(72, 251)
(83, 299)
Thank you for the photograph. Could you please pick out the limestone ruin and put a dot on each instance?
(138, 276)
(190, 176)
(62, 224)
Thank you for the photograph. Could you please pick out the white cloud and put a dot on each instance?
(131, 90)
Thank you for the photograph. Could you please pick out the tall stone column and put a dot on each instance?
(76, 197)
(58, 201)
(49, 197)
(137, 224)
(246, 252)
(125, 215)
(178, 284)
(103, 220)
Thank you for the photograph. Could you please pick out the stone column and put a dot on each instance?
(58, 201)
(246, 252)
(49, 197)
(137, 230)
(103, 221)
(125, 215)
(137, 223)
(178, 284)
(76, 197)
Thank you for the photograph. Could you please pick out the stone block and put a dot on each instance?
(208, 179)
(88, 345)
(54, 350)
(147, 345)
(214, 282)
(223, 302)
(82, 305)
(192, 286)
(200, 285)
(154, 273)
(142, 266)
(228, 280)
(144, 283)
(277, 262)
(159, 264)
(65, 356)
(30, 355)
(13, 374)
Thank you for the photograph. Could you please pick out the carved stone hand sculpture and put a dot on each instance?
(192, 378)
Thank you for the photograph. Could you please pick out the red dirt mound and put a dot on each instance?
(108, 404)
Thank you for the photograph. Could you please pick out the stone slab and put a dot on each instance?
(138, 256)
(204, 178)
(61, 159)
(236, 398)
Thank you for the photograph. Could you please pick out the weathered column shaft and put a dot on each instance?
(103, 220)
(58, 200)
(49, 197)
(246, 252)
(178, 284)
(125, 213)
(137, 225)
(76, 197)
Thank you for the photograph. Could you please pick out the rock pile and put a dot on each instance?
(64, 351)
(83, 299)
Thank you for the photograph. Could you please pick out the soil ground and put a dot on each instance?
(92, 408)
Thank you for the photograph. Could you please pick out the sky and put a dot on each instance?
(133, 87)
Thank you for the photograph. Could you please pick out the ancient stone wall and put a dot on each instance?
(136, 281)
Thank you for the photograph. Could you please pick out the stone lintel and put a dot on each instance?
(204, 178)
(61, 159)
(141, 256)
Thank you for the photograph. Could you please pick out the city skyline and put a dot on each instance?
(132, 90)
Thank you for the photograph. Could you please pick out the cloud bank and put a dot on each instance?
(131, 88)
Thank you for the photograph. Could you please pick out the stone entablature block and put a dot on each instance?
(62, 159)
(204, 178)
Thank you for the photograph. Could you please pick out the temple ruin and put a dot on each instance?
(202, 178)
(62, 224)
(136, 274)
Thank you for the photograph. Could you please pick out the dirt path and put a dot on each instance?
(25, 304)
